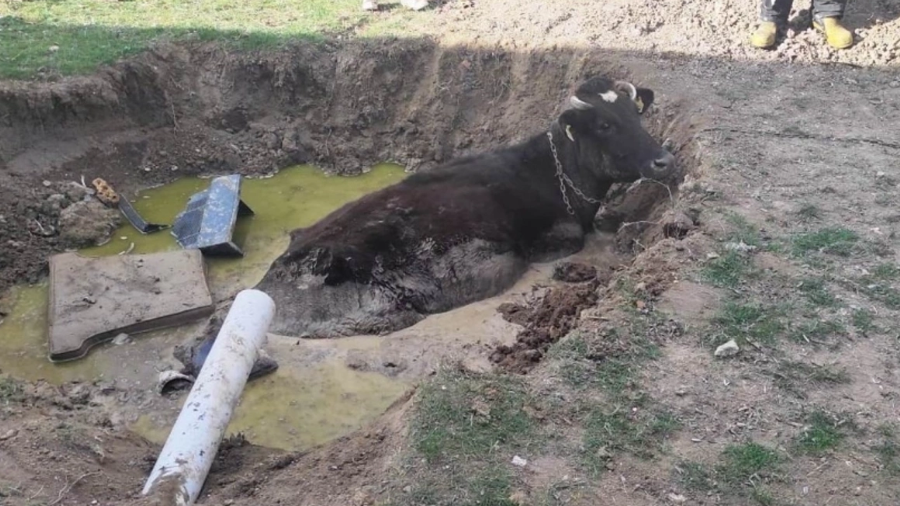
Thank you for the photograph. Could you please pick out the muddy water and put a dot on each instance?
(293, 408)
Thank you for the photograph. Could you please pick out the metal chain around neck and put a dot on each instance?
(564, 180)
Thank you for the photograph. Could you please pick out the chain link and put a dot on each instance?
(564, 180)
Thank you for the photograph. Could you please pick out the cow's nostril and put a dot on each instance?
(664, 161)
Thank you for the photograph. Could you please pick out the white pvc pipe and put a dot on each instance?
(182, 466)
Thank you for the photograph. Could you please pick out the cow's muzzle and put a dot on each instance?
(660, 167)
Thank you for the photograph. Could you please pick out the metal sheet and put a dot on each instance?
(208, 221)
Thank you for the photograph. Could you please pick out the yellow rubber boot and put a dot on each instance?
(764, 36)
(837, 36)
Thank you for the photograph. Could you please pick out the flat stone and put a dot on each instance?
(130, 294)
(728, 349)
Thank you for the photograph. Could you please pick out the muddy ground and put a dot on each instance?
(793, 141)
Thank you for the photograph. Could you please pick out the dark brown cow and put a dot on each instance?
(468, 229)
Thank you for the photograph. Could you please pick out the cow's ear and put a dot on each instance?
(644, 99)
(572, 122)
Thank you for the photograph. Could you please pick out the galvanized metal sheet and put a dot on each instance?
(208, 221)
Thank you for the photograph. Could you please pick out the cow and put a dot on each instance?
(467, 229)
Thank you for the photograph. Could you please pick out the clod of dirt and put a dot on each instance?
(571, 272)
(677, 224)
(548, 320)
(87, 223)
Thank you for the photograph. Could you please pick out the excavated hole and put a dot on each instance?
(343, 108)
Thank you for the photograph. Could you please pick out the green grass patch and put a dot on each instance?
(480, 487)
(755, 321)
(795, 377)
(762, 496)
(822, 433)
(816, 331)
(863, 320)
(817, 292)
(636, 430)
(695, 477)
(585, 363)
(809, 212)
(68, 37)
(888, 450)
(830, 240)
(463, 417)
(464, 431)
(10, 390)
(886, 271)
(741, 462)
(881, 292)
(742, 230)
(728, 270)
(815, 373)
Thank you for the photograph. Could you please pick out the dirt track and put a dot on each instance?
(768, 135)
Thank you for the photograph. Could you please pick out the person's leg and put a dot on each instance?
(771, 14)
(827, 16)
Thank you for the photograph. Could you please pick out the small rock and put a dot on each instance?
(728, 349)
(407, 489)
(712, 256)
(677, 498)
(46, 183)
(11, 433)
(519, 461)
(53, 48)
(121, 339)
(518, 498)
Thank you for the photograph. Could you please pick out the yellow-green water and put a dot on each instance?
(289, 409)
(292, 410)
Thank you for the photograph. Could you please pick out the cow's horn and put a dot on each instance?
(625, 85)
(579, 104)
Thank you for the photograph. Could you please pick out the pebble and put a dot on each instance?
(728, 349)
(11, 433)
(46, 183)
(121, 339)
(519, 461)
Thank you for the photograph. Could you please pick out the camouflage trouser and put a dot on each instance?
(778, 10)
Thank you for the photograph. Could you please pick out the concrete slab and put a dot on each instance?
(92, 300)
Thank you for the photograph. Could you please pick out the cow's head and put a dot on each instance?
(604, 129)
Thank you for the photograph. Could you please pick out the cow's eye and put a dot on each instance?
(604, 127)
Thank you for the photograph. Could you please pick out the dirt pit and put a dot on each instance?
(155, 125)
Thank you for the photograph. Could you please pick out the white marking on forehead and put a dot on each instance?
(610, 96)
